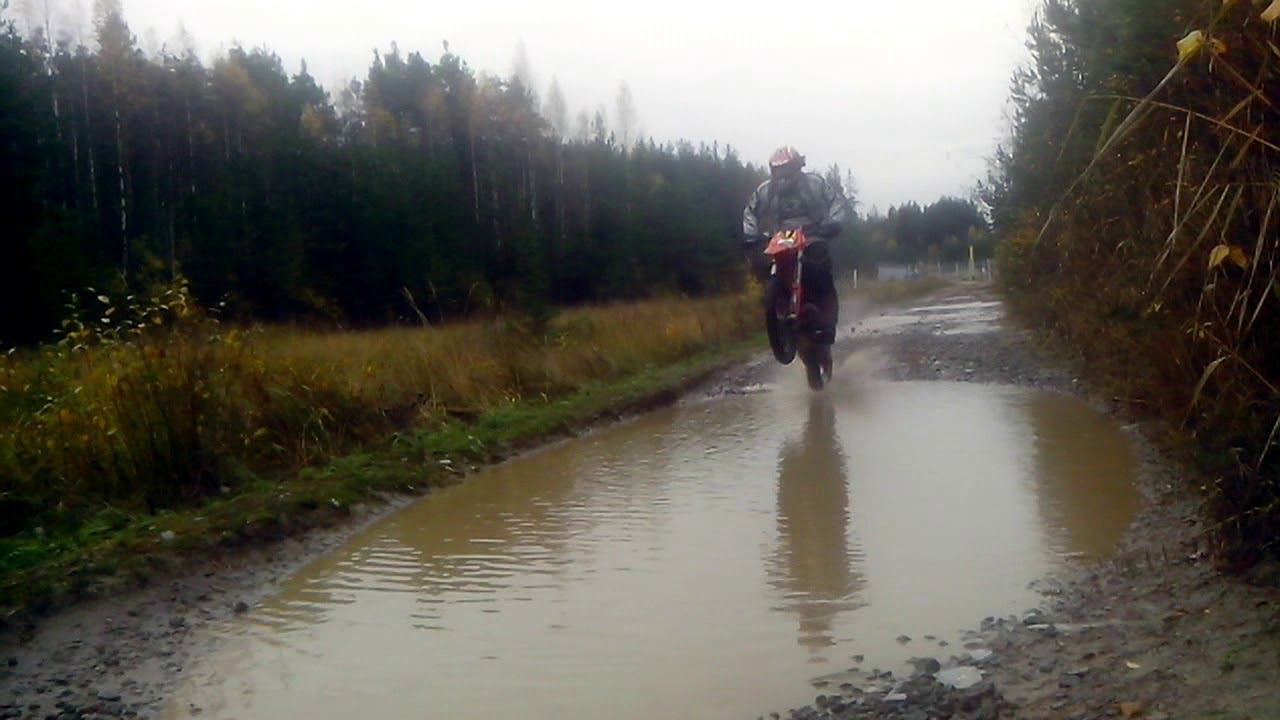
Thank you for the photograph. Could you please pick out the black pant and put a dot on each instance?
(819, 285)
(820, 289)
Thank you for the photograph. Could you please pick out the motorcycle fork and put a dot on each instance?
(782, 268)
(797, 289)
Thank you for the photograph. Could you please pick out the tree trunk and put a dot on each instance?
(49, 71)
(160, 204)
(558, 234)
(475, 177)
(533, 185)
(88, 133)
(586, 196)
(560, 202)
(493, 195)
(173, 244)
(75, 164)
(124, 200)
(191, 149)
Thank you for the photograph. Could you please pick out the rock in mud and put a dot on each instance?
(919, 698)
(1050, 631)
(926, 666)
(1035, 617)
(960, 678)
(980, 655)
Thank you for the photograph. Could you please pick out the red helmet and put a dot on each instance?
(784, 156)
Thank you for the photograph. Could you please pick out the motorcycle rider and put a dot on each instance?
(792, 198)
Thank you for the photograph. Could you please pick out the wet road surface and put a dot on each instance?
(708, 560)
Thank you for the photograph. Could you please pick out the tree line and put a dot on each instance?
(424, 189)
(942, 231)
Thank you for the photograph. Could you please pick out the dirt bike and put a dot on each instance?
(792, 323)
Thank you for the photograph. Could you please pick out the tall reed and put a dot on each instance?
(1161, 261)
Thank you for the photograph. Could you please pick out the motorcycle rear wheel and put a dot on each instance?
(781, 330)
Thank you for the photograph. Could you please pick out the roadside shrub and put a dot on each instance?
(1141, 222)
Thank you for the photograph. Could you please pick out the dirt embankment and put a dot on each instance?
(1156, 631)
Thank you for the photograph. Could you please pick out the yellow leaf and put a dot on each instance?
(104, 299)
(1238, 257)
(1218, 254)
(1217, 46)
(1131, 665)
(1191, 44)
(1272, 12)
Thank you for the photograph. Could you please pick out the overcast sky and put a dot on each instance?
(908, 95)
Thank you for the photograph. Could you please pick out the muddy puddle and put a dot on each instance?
(705, 561)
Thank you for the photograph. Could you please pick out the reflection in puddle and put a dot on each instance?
(1079, 463)
(693, 563)
(816, 564)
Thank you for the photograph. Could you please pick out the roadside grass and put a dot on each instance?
(889, 292)
(152, 430)
(1160, 263)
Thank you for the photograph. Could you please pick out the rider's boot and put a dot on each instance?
(828, 317)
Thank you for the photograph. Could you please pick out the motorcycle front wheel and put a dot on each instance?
(782, 332)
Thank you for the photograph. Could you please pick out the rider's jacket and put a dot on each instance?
(812, 199)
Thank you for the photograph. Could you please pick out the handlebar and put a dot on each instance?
(824, 229)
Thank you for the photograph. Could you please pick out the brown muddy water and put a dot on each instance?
(704, 561)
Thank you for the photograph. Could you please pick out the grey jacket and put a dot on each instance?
(814, 200)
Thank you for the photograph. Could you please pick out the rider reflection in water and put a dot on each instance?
(815, 566)
(789, 199)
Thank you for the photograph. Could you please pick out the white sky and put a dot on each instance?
(908, 95)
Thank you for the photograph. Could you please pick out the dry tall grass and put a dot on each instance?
(1162, 261)
(153, 405)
